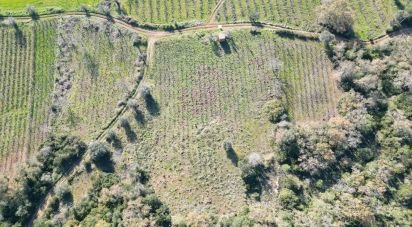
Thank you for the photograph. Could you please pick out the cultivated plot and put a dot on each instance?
(163, 12)
(206, 93)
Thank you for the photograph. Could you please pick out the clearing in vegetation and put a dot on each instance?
(202, 94)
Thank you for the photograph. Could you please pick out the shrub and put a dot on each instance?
(288, 199)
(99, 152)
(326, 37)
(83, 8)
(137, 40)
(11, 21)
(336, 16)
(274, 111)
(63, 192)
(254, 17)
(111, 135)
(124, 122)
(132, 104)
(31, 10)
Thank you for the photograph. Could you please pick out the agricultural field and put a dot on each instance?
(31, 101)
(18, 7)
(27, 85)
(205, 113)
(206, 94)
(16, 90)
(166, 12)
(371, 17)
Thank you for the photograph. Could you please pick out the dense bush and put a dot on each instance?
(336, 16)
(340, 170)
(55, 157)
(100, 154)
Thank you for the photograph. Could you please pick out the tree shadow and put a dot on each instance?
(20, 38)
(399, 5)
(232, 156)
(152, 105)
(226, 47)
(139, 117)
(256, 179)
(293, 36)
(130, 134)
(105, 165)
(67, 198)
(91, 65)
(116, 143)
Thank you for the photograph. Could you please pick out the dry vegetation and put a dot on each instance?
(103, 66)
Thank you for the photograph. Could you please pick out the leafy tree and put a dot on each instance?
(336, 16)
(99, 152)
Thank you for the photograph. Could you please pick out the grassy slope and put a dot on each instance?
(207, 96)
(104, 74)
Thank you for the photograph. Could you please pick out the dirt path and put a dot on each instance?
(212, 17)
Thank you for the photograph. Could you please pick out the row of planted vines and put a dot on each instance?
(161, 12)
(43, 81)
(209, 92)
(209, 81)
(372, 17)
(16, 70)
(293, 13)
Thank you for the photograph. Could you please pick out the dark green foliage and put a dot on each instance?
(101, 156)
(288, 198)
(99, 152)
(160, 211)
(254, 17)
(254, 177)
(230, 153)
(91, 201)
(341, 169)
(32, 11)
(57, 155)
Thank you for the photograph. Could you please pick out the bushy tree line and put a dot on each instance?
(56, 156)
(113, 200)
(355, 168)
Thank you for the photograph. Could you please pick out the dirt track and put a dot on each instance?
(154, 35)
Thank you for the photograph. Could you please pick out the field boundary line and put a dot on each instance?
(214, 26)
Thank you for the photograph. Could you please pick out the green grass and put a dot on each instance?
(207, 95)
(16, 75)
(18, 7)
(21, 4)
